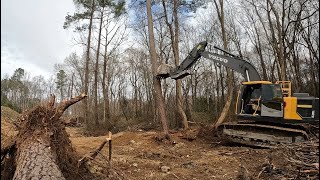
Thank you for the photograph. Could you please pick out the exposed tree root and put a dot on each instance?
(42, 148)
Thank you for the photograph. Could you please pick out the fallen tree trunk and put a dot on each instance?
(43, 149)
(36, 161)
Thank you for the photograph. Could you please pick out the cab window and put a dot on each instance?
(271, 92)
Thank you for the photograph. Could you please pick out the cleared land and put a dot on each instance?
(141, 155)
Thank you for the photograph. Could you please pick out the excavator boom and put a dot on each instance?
(233, 62)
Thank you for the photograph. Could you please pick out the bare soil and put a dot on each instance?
(139, 155)
(8, 130)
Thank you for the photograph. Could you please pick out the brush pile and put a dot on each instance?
(299, 161)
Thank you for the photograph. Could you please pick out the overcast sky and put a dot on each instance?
(32, 36)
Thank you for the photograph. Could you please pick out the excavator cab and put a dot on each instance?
(260, 98)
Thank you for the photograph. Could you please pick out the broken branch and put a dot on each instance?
(96, 152)
(65, 104)
(299, 162)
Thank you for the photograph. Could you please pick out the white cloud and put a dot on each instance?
(11, 59)
(32, 36)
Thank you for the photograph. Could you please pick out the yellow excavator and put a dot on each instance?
(267, 113)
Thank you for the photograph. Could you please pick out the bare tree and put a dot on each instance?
(86, 74)
(156, 82)
(174, 34)
(96, 69)
(225, 110)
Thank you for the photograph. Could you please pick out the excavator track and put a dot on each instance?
(261, 135)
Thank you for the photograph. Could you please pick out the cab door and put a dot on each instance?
(271, 100)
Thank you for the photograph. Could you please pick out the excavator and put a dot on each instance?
(267, 113)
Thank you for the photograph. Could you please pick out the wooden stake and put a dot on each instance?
(96, 152)
(110, 148)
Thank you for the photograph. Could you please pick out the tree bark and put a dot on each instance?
(226, 107)
(280, 48)
(96, 120)
(43, 148)
(86, 74)
(156, 82)
(36, 161)
(259, 51)
(105, 86)
(217, 91)
(181, 112)
(175, 48)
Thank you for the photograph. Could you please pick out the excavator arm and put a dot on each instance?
(231, 61)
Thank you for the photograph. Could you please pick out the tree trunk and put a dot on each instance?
(187, 100)
(71, 92)
(36, 161)
(221, 74)
(280, 48)
(175, 48)
(86, 74)
(96, 120)
(194, 88)
(217, 102)
(181, 112)
(156, 82)
(105, 86)
(43, 148)
(226, 107)
(259, 51)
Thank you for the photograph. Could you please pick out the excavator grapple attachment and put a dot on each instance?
(164, 71)
(181, 74)
(183, 70)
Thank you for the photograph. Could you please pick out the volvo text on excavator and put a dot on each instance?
(267, 113)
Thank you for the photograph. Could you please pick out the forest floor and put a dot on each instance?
(140, 155)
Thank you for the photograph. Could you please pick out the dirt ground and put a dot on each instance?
(140, 156)
(8, 130)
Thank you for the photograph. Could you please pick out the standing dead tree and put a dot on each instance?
(42, 149)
